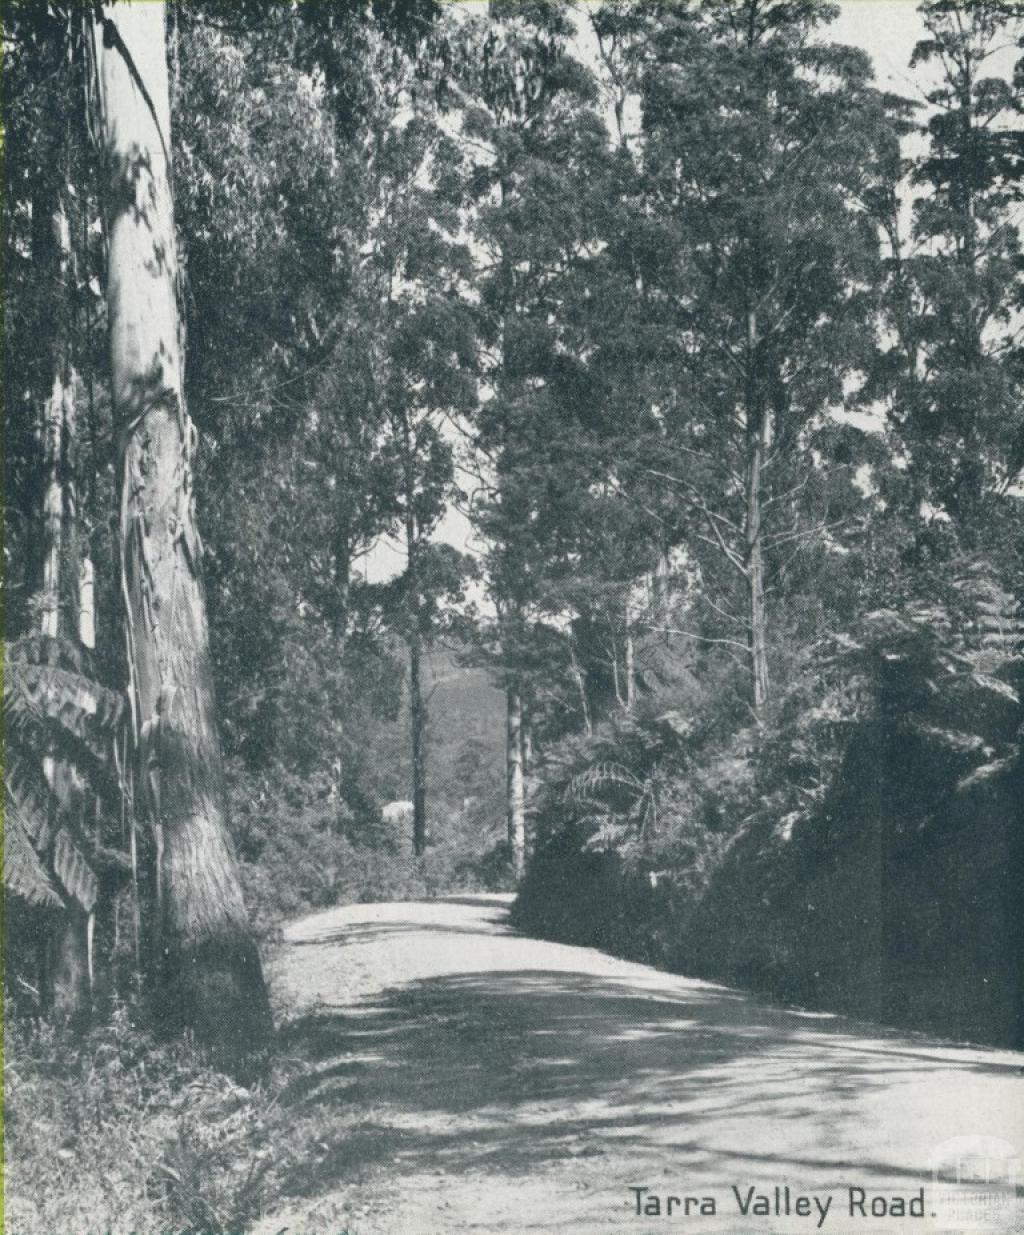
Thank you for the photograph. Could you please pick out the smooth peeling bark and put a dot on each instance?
(755, 579)
(757, 444)
(418, 721)
(581, 687)
(53, 506)
(527, 742)
(516, 781)
(417, 703)
(629, 653)
(208, 967)
(65, 977)
(58, 425)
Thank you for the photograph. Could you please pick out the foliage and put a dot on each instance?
(901, 740)
(93, 1130)
(61, 726)
(117, 1130)
(438, 263)
(954, 374)
(308, 837)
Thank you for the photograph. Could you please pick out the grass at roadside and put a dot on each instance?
(116, 1132)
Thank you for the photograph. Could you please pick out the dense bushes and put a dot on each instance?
(631, 824)
(302, 847)
(860, 852)
(115, 1132)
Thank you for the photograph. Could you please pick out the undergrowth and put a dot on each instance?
(116, 1131)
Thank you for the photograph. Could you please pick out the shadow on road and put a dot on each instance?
(508, 1072)
(369, 932)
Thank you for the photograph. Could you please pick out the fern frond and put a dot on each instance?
(987, 773)
(28, 795)
(611, 837)
(48, 695)
(23, 872)
(59, 723)
(74, 872)
(58, 653)
(600, 775)
(951, 739)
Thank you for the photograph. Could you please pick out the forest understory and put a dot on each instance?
(571, 452)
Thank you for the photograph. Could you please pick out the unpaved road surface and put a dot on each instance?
(480, 1081)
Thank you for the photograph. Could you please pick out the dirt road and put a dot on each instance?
(479, 1081)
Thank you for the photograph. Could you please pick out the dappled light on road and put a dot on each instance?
(492, 1082)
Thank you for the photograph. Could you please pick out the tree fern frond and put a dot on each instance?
(951, 739)
(986, 682)
(600, 775)
(74, 871)
(611, 837)
(58, 653)
(28, 795)
(987, 773)
(57, 696)
(60, 722)
(23, 872)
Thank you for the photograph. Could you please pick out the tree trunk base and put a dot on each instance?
(216, 990)
(67, 984)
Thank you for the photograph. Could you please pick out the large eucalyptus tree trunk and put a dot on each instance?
(209, 968)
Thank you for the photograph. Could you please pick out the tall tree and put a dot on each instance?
(527, 117)
(955, 373)
(765, 152)
(49, 632)
(211, 977)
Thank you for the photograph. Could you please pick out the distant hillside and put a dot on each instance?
(466, 734)
(465, 737)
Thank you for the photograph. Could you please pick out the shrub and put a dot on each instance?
(94, 1130)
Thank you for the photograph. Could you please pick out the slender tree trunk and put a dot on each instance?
(516, 780)
(620, 699)
(57, 431)
(527, 740)
(53, 508)
(629, 655)
(417, 704)
(65, 980)
(581, 687)
(526, 747)
(87, 603)
(630, 669)
(417, 710)
(660, 589)
(210, 977)
(342, 562)
(515, 784)
(757, 440)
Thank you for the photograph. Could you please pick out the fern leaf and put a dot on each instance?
(600, 775)
(76, 703)
(23, 872)
(74, 871)
(952, 739)
(987, 772)
(995, 686)
(39, 649)
(27, 795)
